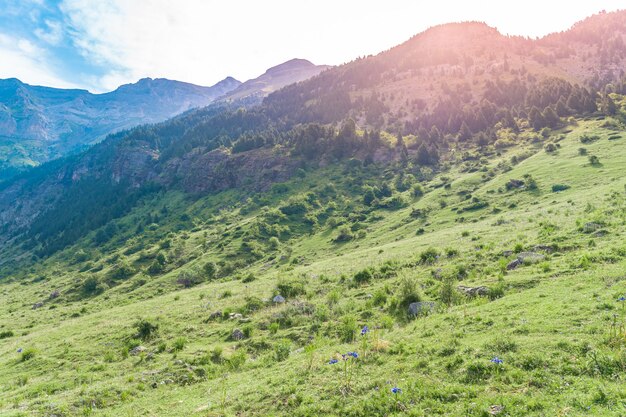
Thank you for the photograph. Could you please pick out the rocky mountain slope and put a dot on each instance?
(38, 124)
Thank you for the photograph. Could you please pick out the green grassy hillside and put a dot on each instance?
(169, 310)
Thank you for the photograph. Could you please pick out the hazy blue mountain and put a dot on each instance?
(41, 123)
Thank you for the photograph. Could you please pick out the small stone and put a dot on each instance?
(37, 305)
(279, 299)
(137, 350)
(591, 227)
(216, 315)
(237, 334)
(474, 291)
(494, 410)
(513, 264)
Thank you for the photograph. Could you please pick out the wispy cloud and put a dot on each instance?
(22, 57)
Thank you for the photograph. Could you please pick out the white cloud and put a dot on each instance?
(22, 59)
(53, 35)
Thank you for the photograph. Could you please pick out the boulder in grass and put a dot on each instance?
(480, 291)
(591, 227)
(513, 264)
(545, 248)
(137, 350)
(530, 257)
(279, 299)
(421, 307)
(237, 334)
(216, 315)
(37, 305)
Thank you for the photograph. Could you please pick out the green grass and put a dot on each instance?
(551, 322)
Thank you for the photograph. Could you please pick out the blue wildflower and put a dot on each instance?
(622, 298)
(332, 361)
(353, 354)
(497, 360)
(19, 350)
(364, 330)
(396, 390)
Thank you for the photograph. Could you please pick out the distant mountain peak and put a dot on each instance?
(277, 77)
(295, 63)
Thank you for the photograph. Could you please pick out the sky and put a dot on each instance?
(101, 44)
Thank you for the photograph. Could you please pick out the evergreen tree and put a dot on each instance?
(465, 133)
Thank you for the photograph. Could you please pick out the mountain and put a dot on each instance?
(437, 229)
(40, 123)
(275, 78)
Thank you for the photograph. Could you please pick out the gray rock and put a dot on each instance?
(421, 307)
(235, 316)
(591, 227)
(237, 334)
(513, 264)
(494, 410)
(37, 305)
(507, 253)
(545, 248)
(474, 291)
(54, 294)
(279, 299)
(216, 315)
(530, 257)
(137, 350)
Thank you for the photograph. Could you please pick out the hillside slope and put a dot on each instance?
(349, 247)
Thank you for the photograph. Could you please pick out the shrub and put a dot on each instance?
(582, 151)
(407, 293)
(155, 268)
(496, 292)
(290, 288)
(344, 235)
(27, 354)
(347, 329)
(417, 190)
(429, 256)
(550, 148)
(379, 298)
(145, 329)
(282, 350)
(210, 270)
(179, 344)
(589, 139)
(91, 286)
(189, 278)
(363, 277)
(216, 355)
(6, 334)
(122, 271)
(237, 360)
(559, 187)
(594, 160)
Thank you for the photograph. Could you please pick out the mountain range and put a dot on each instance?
(38, 124)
